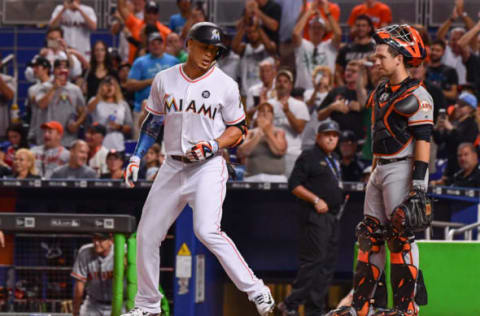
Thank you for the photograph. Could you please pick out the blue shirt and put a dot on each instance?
(177, 21)
(146, 67)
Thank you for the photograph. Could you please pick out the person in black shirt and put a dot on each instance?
(341, 103)
(445, 77)
(268, 12)
(352, 167)
(469, 173)
(462, 129)
(316, 181)
(362, 46)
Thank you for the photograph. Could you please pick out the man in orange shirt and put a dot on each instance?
(379, 12)
(334, 10)
(137, 26)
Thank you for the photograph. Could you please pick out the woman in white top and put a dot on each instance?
(110, 109)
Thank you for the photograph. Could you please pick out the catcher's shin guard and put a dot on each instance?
(367, 275)
(406, 277)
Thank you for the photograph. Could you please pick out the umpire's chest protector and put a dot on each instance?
(391, 110)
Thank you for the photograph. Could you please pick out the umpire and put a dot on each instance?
(316, 181)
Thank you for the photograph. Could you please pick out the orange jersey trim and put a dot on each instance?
(205, 75)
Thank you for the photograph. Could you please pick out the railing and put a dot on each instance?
(440, 224)
(466, 230)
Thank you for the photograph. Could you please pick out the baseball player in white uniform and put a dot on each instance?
(200, 108)
(396, 204)
(93, 274)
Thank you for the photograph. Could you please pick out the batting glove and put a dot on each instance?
(202, 150)
(132, 171)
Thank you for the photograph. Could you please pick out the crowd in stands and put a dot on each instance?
(86, 100)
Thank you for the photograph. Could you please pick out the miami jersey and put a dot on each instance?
(195, 110)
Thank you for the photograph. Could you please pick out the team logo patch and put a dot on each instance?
(206, 94)
(215, 35)
(384, 97)
(425, 106)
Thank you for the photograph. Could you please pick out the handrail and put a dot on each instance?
(467, 230)
(445, 225)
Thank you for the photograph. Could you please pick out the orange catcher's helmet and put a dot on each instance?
(405, 40)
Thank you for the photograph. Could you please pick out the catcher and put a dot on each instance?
(395, 203)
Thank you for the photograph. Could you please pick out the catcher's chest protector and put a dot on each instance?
(390, 116)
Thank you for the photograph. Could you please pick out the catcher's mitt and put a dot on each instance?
(414, 214)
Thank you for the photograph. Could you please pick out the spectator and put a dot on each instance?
(379, 12)
(115, 161)
(109, 109)
(56, 48)
(41, 68)
(138, 8)
(257, 48)
(24, 165)
(453, 51)
(314, 52)
(93, 274)
(334, 10)
(118, 28)
(342, 103)
(362, 46)
(51, 154)
(196, 16)
(322, 79)
(8, 87)
(316, 182)
(153, 160)
(17, 138)
(143, 71)
(97, 153)
(230, 61)
(178, 20)
(175, 46)
(352, 168)
(264, 149)
(469, 173)
(290, 115)
(471, 58)
(443, 76)
(290, 12)
(77, 164)
(266, 13)
(462, 129)
(137, 26)
(63, 102)
(128, 95)
(77, 21)
(100, 67)
(264, 90)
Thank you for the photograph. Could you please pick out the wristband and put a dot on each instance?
(419, 170)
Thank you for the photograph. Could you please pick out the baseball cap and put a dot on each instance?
(155, 36)
(151, 6)
(347, 135)
(53, 125)
(41, 61)
(97, 128)
(466, 98)
(102, 235)
(328, 126)
(286, 73)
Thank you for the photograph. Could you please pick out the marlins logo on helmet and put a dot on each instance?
(215, 35)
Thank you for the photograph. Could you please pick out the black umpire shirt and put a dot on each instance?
(320, 174)
(470, 181)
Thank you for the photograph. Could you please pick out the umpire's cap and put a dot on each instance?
(328, 126)
(208, 33)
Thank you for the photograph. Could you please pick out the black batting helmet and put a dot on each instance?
(208, 33)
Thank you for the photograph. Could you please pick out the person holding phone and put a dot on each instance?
(77, 22)
(264, 90)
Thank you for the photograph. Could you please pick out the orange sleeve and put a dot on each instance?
(163, 30)
(385, 15)
(353, 15)
(132, 22)
(335, 11)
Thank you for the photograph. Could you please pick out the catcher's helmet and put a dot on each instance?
(405, 40)
(208, 33)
